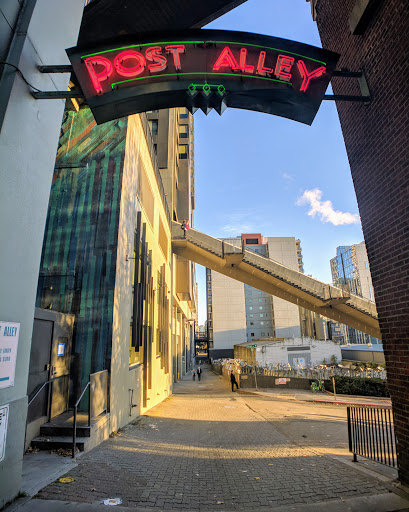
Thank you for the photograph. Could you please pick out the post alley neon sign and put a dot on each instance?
(204, 69)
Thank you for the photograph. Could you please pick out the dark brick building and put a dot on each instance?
(372, 35)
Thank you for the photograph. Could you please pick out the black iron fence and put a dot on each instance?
(371, 434)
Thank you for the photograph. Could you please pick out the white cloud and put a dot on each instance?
(238, 223)
(325, 209)
(237, 229)
(287, 177)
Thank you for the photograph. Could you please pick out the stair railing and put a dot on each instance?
(49, 397)
(74, 433)
(97, 401)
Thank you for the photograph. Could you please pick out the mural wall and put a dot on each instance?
(77, 271)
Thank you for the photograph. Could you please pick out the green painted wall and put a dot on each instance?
(77, 272)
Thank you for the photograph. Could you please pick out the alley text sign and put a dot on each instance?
(204, 69)
(9, 334)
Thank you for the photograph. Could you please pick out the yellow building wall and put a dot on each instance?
(126, 380)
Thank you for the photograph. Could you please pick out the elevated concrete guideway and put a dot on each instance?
(276, 279)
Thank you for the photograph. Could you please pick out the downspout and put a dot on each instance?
(14, 55)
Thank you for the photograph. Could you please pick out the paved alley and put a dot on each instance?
(206, 448)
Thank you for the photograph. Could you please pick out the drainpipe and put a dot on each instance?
(7, 76)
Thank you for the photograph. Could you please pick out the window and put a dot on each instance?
(153, 125)
(133, 354)
(263, 333)
(183, 131)
(250, 308)
(261, 315)
(251, 323)
(250, 300)
(260, 300)
(251, 316)
(252, 334)
(251, 241)
(261, 323)
(183, 151)
(260, 307)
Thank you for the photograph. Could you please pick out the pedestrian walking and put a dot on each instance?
(193, 374)
(233, 382)
(199, 373)
(183, 226)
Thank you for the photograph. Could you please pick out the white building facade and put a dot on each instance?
(238, 312)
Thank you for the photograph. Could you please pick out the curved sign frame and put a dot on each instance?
(203, 69)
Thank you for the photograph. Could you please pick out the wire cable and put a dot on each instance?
(21, 74)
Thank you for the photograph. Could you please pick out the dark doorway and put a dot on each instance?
(49, 373)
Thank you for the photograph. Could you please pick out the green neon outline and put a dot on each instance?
(210, 85)
(200, 73)
(203, 42)
(139, 45)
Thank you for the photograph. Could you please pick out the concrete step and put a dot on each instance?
(54, 442)
(48, 430)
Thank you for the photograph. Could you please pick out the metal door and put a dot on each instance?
(60, 374)
(39, 368)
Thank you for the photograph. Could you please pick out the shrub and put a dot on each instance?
(358, 386)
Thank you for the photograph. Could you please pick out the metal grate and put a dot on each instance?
(371, 434)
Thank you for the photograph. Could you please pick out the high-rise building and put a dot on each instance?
(350, 269)
(237, 312)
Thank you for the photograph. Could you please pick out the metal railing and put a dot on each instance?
(74, 432)
(97, 401)
(321, 372)
(371, 434)
(49, 382)
(39, 391)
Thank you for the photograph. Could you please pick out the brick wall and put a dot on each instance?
(377, 143)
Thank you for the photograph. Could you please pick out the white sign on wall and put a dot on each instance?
(4, 416)
(9, 333)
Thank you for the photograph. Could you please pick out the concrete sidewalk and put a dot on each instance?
(205, 448)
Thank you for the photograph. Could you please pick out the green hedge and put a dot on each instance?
(358, 386)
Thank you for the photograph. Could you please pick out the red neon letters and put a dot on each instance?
(129, 56)
(226, 60)
(283, 67)
(261, 69)
(307, 76)
(154, 54)
(246, 68)
(176, 50)
(98, 77)
(130, 63)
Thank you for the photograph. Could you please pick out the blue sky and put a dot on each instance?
(258, 173)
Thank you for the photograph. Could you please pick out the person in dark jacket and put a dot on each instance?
(233, 381)
(199, 372)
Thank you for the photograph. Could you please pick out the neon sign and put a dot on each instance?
(255, 72)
